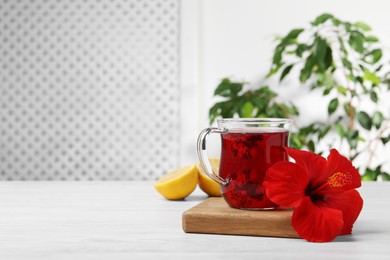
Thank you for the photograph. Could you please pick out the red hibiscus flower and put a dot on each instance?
(321, 191)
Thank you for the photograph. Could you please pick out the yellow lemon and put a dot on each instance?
(179, 183)
(207, 184)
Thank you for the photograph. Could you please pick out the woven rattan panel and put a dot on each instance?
(88, 89)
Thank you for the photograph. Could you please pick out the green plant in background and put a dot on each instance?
(252, 103)
(343, 61)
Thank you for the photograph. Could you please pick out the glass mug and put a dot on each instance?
(249, 147)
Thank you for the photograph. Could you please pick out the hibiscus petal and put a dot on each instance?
(317, 223)
(341, 175)
(285, 184)
(350, 203)
(312, 163)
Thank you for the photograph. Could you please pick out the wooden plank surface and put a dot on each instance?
(214, 216)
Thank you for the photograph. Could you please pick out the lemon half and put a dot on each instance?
(179, 183)
(207, 184)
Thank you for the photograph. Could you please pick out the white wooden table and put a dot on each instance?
(130, 220)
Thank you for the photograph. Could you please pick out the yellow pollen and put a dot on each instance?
(339, 179)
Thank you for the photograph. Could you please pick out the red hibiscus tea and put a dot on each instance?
(245, 157)
(249, 147)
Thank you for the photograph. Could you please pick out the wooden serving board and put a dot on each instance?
(214, 216)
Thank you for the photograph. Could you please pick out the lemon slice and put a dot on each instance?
(179, 183)
(207, 184)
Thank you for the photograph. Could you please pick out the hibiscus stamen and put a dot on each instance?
(339, 179)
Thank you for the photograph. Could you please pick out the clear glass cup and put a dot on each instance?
(249, 146)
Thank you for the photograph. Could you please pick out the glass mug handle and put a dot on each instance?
(202, 154)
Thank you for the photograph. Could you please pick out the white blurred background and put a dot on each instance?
(101, 90)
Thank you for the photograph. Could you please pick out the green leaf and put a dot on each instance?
(265, 91)
(385, 176)
(260, 102)
(228, 108)
(327, 91)
(385, 140)
(246, 110)
(363, 26)
(342, 46)
(356, 41)
(307, 69)
(311, 146)
(362, 67)
(293, 110)
(333, 104)
(347, 63)
(228, 89)
(342, 90)
(336, 21)
(377, 54)
(352, 78)
(328, 57)
(369, 76)
(371, 39)
(225, 109)
(301, 48)
(321, 76)
(322, 18)
(379, 68)
(307, 130)
(290, 38)
(293, 34)
(286, 71)
(347, 26)
(352, 138)
(370, 175)
(364, 120)
(377, 119)
(276, 111)
(274, 69)
(386, 80)
(340, 130)
(373, 96)
(295, 142)
(358, 79)
(277, 58)
(349, 110)
(373, 56)
(324, 132)
(321, 48)
(288, 110)
(325, 79)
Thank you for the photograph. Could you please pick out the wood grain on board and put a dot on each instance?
(214, 216)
